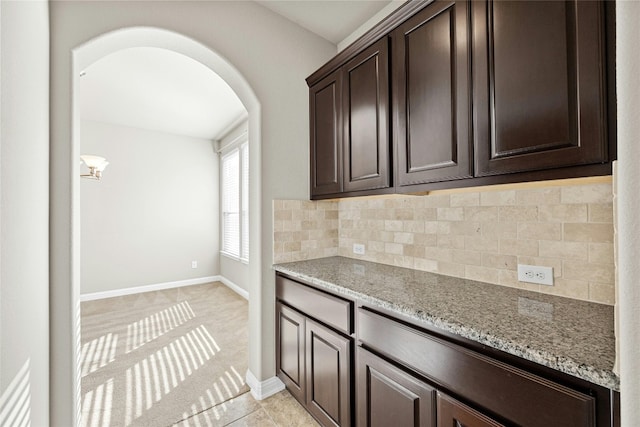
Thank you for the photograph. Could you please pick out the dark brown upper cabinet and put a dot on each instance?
(366, 120)
(458, 93)
(325, 106)
(431, 95)
(350, 143)
(539, 85)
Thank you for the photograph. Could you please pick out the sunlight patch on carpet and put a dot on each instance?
(98, 353)
(164, 370)
(98, 404)
(157, 324)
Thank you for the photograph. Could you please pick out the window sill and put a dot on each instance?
(234, 257)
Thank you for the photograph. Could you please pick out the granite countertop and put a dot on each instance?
(571, 336)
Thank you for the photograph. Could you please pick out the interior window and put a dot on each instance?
(235, 203)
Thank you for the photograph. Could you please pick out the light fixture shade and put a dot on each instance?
(96, 165)
(101, 166)
(94, 161)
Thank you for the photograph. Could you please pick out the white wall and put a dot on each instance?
(628, 197)
(154, 211)
(272, 54)
(24, 212)
(236, 272)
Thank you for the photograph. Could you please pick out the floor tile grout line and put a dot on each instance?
(268, 414)
(211, 407)
(244, 416)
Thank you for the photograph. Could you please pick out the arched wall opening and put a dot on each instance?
(65, 383)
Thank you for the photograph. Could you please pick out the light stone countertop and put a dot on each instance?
(571, 336)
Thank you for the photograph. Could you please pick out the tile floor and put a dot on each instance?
(280, 409)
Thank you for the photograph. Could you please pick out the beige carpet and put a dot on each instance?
(158, 358)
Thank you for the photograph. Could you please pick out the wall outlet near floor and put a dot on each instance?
(535, 274)
(358, 249)
(194, 264)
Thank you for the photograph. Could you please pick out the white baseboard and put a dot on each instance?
(237, 289)
(149, 288)
(262, 389)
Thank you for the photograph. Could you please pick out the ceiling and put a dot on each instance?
(161, 90)
(332, 20)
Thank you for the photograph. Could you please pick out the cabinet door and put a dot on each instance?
(539, 99)
(452, 413)
(366, 119)
(431, 95)
(290, 361)
(388, 396)
(326, 135)
(328, 375)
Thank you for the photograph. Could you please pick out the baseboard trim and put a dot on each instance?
(262, 389)
(154, 287)
(235, 288)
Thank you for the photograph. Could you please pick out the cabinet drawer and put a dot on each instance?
(517, 396)
(328, 309)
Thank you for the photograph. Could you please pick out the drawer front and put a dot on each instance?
(520, 397)
(328, 309)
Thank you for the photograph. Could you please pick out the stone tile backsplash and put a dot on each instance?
(304, 230)
(479, 235)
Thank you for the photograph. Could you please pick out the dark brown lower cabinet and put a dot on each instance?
(328, 357)
(413, 376)
(452, 413)
(313, 359)
(388, 396)
(290, 350)
(515, 395)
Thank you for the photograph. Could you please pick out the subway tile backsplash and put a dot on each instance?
(479, 235)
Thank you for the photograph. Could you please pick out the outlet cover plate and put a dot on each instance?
(535, 274)
(358, 249)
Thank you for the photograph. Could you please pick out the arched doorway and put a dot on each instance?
(65, 351)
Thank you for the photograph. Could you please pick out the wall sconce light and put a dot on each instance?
(96, 165)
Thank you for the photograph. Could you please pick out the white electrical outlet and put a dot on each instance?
(535, 274)
(358, 249)
(194, 264)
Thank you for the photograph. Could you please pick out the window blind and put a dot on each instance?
(231, 203)
(235, 202)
